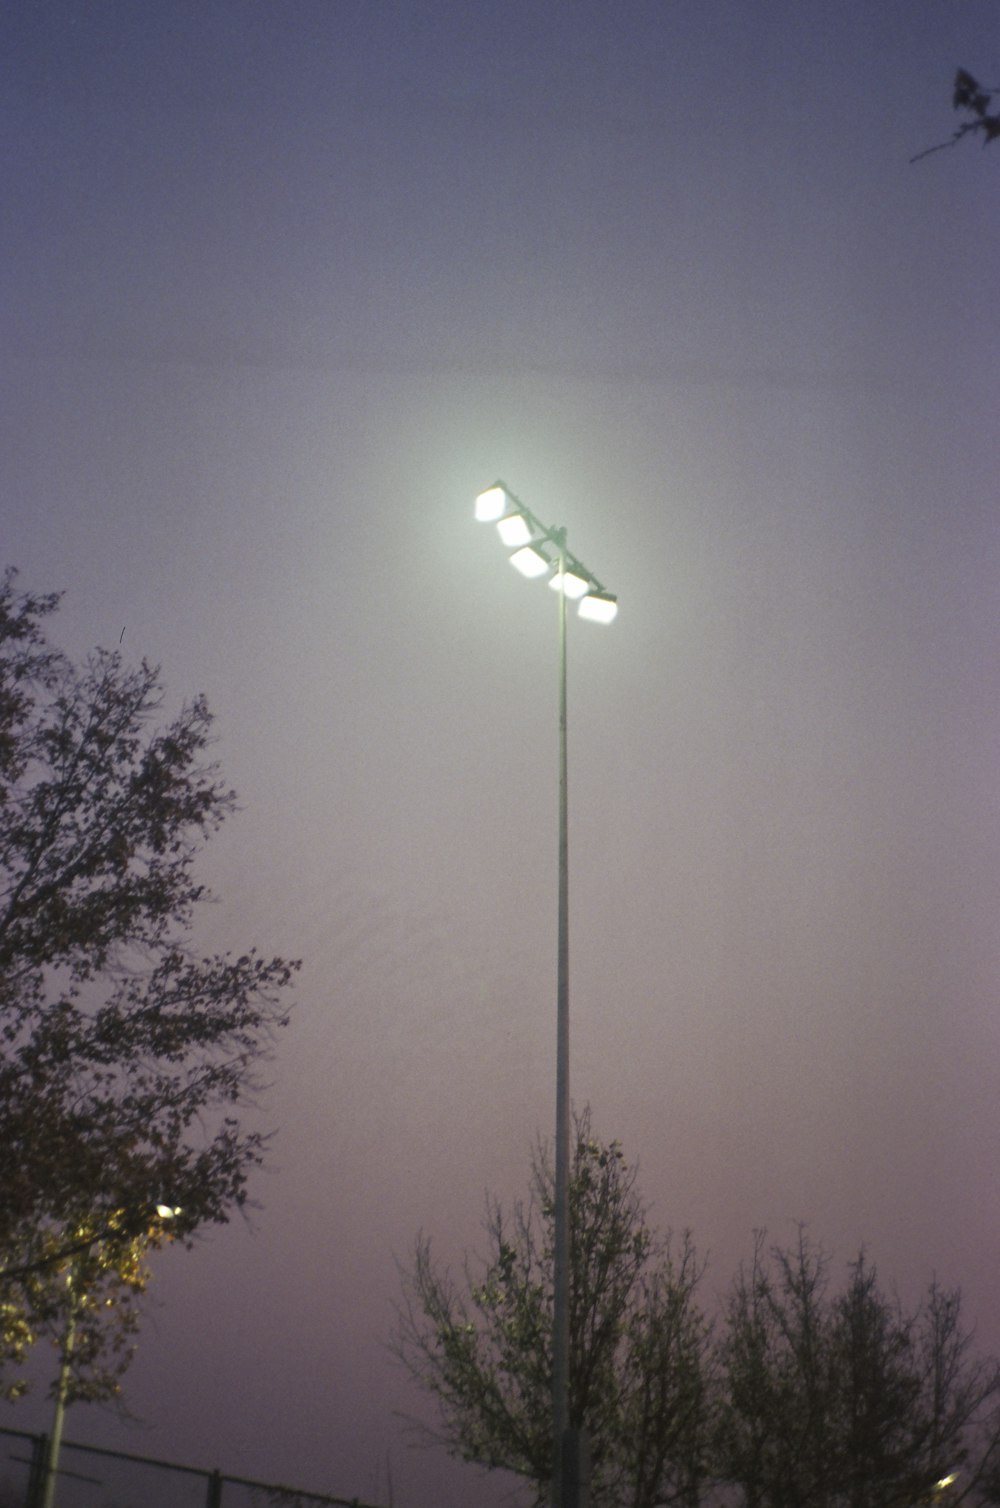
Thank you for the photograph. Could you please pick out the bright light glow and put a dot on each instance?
(514, 530)
(491, 505)
(946, 1481)
(573, 585)
(168, 1211)
(599, 607)
(531, 561)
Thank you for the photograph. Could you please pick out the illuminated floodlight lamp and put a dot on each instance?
(492, 504)
(168, 1211)
(599, 607)
(514, 530)
(947, 1481)
(531, 561)
(573, 584)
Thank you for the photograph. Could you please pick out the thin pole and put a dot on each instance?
(561, 1285)
(62, 1392)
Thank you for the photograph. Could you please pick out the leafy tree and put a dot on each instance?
(124, 1057)
(639, 1344)
(774, 1381)
(805, 1396)
(848, 1400)
(982, 118)
(81, 1295)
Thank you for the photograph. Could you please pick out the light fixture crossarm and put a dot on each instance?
(509, 505)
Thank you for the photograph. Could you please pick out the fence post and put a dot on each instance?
(36, 1471)
(214, 1499)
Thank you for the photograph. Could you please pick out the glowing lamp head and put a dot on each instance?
(531, 561)
(514, 530)
(569, 582)
(492, 504)
(599, 607)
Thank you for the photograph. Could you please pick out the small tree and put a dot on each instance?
(81, 1294)
(639, 1381)
(848, 1400)
(774, 1380)
(123, 1057)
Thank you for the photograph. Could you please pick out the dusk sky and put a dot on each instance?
(285, 284)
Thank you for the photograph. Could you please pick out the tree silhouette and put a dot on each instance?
(977, 104)
(845, 1399)
(639, 1344)
(124, 1057)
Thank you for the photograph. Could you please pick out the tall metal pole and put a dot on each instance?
(561, 1295)
(62, 1393)
(525, 534)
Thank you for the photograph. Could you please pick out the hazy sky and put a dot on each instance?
(285, 283)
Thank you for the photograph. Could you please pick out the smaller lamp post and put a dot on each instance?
(162, 1213)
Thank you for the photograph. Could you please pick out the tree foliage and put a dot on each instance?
(639, 1374)
(803, 1394)
(982, 118)
(124, 1057)
(86, 1305)
(846, 1399)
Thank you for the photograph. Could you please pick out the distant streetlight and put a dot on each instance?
(541, 552)
(163, 1213)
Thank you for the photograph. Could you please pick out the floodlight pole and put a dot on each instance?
(570, 1464)
(561, 1276)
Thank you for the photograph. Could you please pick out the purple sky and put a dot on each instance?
(284, 285)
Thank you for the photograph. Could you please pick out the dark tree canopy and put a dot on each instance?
(846, 1399)
(803, 1394)
(124, 1058)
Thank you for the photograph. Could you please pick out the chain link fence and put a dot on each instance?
(92, 1477)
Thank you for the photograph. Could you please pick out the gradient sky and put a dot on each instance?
(285, 283)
